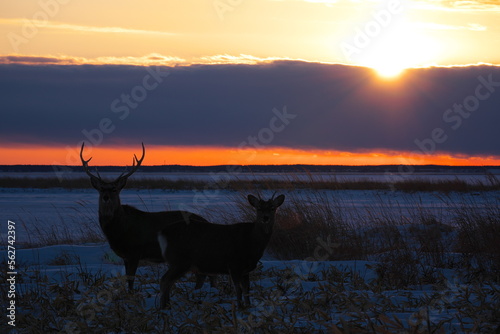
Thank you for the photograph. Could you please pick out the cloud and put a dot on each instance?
(231, 59)
(149, 60)
(482, 5)
(83, 28)
(153, 59)
(460, 5)
(112, 30)
(332, 107)
(18, 59)
(439, 26)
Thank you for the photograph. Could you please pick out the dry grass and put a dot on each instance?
(410, 246)
(407, 246)
(407, 250)
(289, 182)
(315, 226)
(83, 228)
(340, 302)
(479, 237)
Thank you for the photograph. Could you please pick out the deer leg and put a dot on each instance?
(213, 281)
(200, 279)
(130, 269)
(245, 282)
(168, 280)
(236, 278)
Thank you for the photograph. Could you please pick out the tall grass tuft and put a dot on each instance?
(313, 225)
(83, 227)
(479, 236)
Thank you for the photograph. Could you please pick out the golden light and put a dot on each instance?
(394, 51)
(209, 156)
(387, 68)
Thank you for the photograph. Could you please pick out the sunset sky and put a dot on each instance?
(250, 82)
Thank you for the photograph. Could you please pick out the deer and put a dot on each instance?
(131, 233)
(212, 249)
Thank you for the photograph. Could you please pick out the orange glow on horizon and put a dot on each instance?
(208, 156)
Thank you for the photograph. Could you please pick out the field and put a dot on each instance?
(348, 255)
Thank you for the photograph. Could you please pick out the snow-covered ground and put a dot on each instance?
(287, 295)
(75, 210)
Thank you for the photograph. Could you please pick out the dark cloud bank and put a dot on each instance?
(454, 110)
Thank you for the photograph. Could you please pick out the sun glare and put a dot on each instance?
(388, 70)
(390, 59)
(398, 49)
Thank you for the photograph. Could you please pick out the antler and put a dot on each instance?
(136, 163)
(85, 164)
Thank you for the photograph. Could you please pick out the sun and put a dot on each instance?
(388, 67)
(389, 58)
(389, 71)
(397, 50)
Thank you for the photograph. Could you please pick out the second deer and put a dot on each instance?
(210, 249)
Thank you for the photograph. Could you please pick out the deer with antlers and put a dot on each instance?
(133, 234)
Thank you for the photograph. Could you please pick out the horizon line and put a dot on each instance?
(263, 165)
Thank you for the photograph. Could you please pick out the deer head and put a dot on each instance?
(266, 210)
(109, 199)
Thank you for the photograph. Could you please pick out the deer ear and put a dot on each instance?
(95, 183)
(278, 200)
(254, 201)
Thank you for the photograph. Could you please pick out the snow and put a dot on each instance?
(275, 289)
(342, 290)
(56, 209)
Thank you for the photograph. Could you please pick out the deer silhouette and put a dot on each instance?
(207, 248)
(133, 234)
